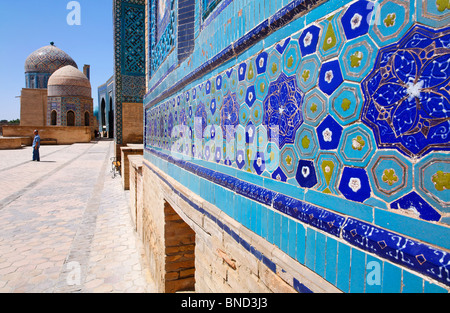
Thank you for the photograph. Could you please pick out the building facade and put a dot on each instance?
(292, 146)
(105, 114)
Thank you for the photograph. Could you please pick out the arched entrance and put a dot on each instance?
(111, 119)
(70, 118)
(53, 118)
(87, 118)
(103, 113)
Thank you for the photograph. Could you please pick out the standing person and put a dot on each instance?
(36, 146)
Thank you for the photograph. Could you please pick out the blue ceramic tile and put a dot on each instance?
(331, 260)
(355, 184)
(301, 243)
(412, 283)
(358, 210)
(308, 40)
(330, 77)
(319, 266)
(329, 133)
(310, 251)
(357, 271)
(355, 20)
(398, 249)
(270, 225)
(343, 267)
(428, 232)
(284, 245)
(306, 174)
(413, 200)
(432, 288)
(292, 240)
(277, 229)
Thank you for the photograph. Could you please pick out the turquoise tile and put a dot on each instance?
(432, 288)
(258, 213)
(310, 251)
(264, 223)
(429, 232)
(253, 216)
(284, 234)
(321, 245)
(284, 188)
(270, 223)
(412, 283)
(392, 278)
(292, 245)
(358, 210)
(301, 243)
(277, 230)
(331, 260)
(343, 267)
(357, 271)
(374, 270)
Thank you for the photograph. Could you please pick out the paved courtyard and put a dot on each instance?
(65, 224)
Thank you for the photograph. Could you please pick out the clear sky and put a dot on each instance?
(27, 25)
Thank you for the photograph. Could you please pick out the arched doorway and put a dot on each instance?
(103, 113)
(53, 118)
(111, 119)
(70, 118)
(87, 118)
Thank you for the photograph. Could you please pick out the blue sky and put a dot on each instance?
(27, 25)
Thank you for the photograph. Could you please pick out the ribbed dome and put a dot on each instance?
(69, 81)
(47, 59)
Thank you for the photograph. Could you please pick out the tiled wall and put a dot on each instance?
(326, 132)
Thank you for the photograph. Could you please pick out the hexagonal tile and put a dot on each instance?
(272, 160)
(291, 58)
(274, 65)
(392, 18)
(346, 103)
(288, 160)
(242, 71)
(241, 92)
(356, 18)
(389, 175)
(306, 174)
(314, 107)
(354, 184)
(308, 72)
(261, 62)
(432, 180)
(330, 76)
(261, 86)
(357, 58)
(433, 13)
(250, 96)
(329, 133)
(309, 39)
(306, 142)
(257, 113)
(357, 145)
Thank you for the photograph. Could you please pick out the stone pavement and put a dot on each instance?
(65, 224)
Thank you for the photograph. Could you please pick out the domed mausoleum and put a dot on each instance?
(42, 63)
(69, 98)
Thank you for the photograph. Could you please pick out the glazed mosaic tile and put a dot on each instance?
(353, 104)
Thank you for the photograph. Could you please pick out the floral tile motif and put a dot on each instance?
(282, 108)
(407, 97)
